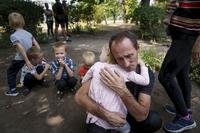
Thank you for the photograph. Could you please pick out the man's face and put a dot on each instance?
(60, 53)
(125, 54)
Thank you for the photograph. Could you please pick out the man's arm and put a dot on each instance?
(94, 108)
(139, 109)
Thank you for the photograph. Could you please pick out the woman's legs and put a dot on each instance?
(174, 78)
(176, 61)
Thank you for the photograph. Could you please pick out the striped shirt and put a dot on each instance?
(186, 16)
(55, 67)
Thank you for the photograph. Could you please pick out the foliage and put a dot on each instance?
(32, 13)
(195, 72)
(150, 22)
(4, 40)
(86, 9)
(73, 12)
(152, 59)
(100, 13)
(112, 8)
(129, 6)
(81, 11)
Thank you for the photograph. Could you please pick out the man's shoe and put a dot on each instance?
(180, 124)
(11, 93)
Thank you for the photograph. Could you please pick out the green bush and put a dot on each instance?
(150, 22)
(32, 13)
(4, 40)
(152, 59)
(100, 13)
(195, 72)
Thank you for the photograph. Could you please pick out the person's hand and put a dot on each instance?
(196, 51)
(113, 80)
(62, 62)
(29, 65)
(47, 66)
(116, 119)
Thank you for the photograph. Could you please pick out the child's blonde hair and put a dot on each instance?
(16, 20)
(105, 54)
(58, 45)
(34, 53)
(88, 57)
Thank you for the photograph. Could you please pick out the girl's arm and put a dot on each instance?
(21, 50)
(143, 77)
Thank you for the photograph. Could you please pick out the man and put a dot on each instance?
(184, 28)
(65, 6)
(137, 99)
(59, 16)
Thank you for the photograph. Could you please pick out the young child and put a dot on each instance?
(106, 97)
(37, 73)
(88, 59)
(22, 41)
(62, 69)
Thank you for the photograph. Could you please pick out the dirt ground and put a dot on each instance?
(42, 112)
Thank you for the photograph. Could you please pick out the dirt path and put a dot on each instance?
(41, 112)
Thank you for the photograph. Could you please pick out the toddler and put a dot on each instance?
(88, 59)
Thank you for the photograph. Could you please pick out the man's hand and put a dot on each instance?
(196, 50)
(113, 80)
(115, 119)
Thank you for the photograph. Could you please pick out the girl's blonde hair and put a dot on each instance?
(88, 57)
(105, 55)
(16, 20)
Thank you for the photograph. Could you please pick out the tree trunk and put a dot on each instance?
(124, 11)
